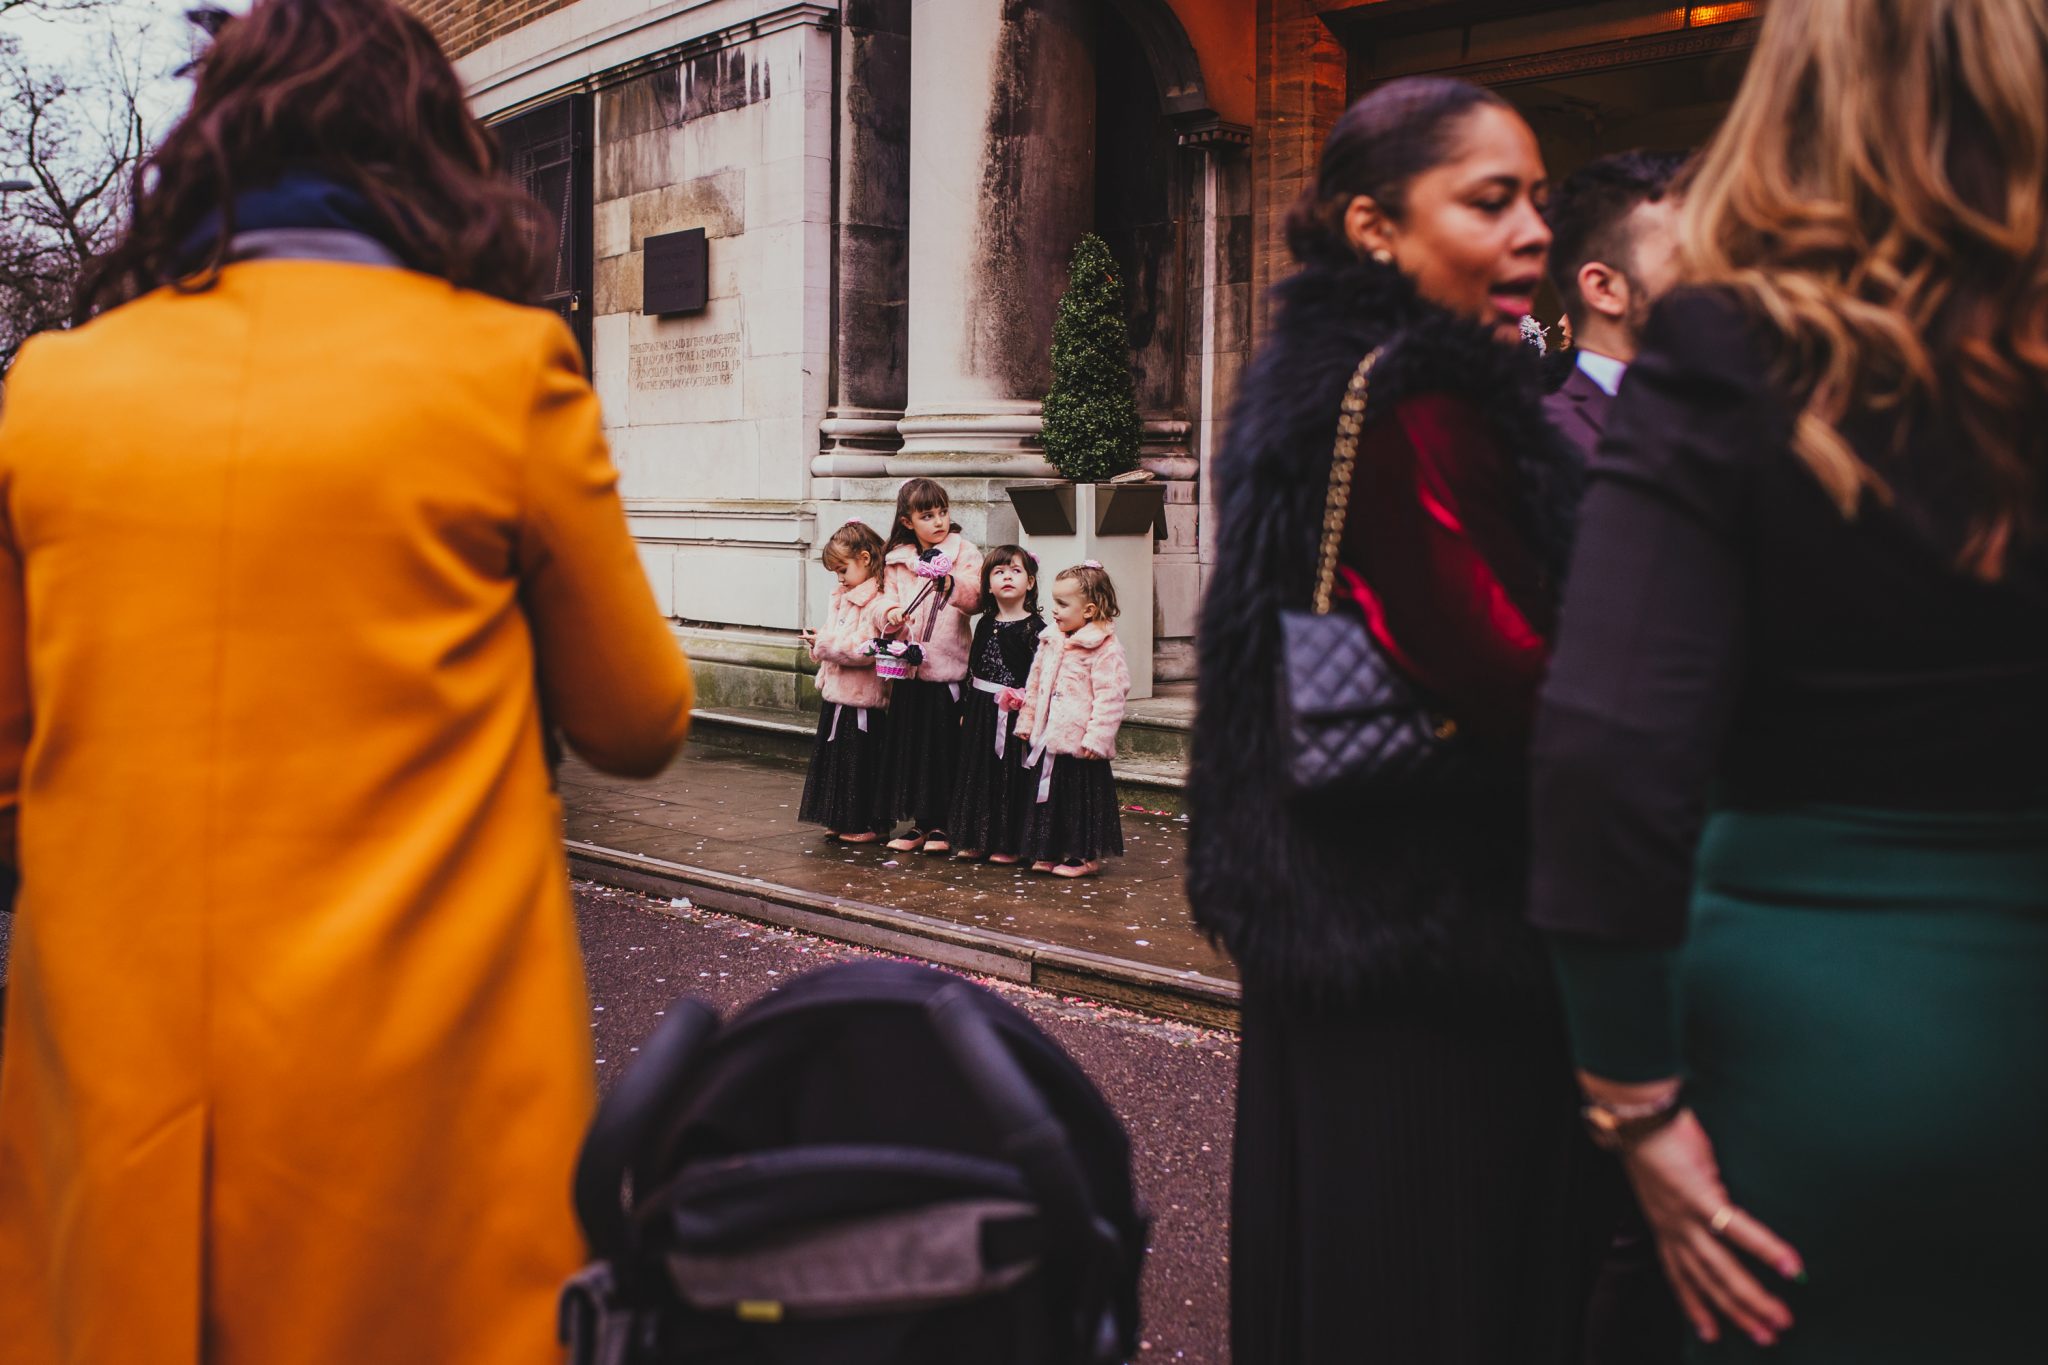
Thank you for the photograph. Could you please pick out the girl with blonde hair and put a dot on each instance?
(1791, 835)
(1072, 708)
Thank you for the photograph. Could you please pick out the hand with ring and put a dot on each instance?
(1699, 1229)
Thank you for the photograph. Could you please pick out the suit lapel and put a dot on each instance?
(1590, 402)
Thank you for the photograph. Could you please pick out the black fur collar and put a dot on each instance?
(1326, 318)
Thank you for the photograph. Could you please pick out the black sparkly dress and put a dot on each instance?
(992, 789)
(1080, 820)
(842, 790)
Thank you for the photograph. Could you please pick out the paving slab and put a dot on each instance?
(733, 813)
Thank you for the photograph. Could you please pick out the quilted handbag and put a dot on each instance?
(1352, 725)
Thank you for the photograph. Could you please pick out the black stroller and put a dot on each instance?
(881, 1164)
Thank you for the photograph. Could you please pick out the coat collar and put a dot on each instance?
(907, 554)
(1579, 409)
(1090, 636)
(861, 593)
(312, 244)
(1598, 368)
(301, 214)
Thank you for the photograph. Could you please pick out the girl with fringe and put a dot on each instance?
(932, 578)
(993, 791)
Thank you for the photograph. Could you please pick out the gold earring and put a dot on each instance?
(1383, 256)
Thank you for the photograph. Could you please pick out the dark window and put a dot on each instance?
(548, 150)
(1139, 197)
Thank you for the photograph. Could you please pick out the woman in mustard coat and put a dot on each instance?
(293, 561)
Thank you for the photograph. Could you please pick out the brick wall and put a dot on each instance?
(1302, 82)
(465, 25)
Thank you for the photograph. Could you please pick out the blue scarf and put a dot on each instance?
(300, 198)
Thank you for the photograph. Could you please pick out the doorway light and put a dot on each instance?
(1706, 16)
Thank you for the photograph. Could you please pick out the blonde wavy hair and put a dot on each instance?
(1879, 194)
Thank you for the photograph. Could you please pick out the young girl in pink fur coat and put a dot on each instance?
(923, 746)
(844, 789)
(1073, 706)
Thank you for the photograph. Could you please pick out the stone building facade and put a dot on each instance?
(889, 190)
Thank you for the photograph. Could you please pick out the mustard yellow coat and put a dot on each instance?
(297, 1051)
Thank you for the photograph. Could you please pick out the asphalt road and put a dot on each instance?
(1173, 1084)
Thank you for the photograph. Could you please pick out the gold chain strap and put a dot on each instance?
(1350, 421)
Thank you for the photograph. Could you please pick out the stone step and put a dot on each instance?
(760, 684)
(1211, 1001)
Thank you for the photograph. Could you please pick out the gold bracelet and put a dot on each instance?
(1618, 1127)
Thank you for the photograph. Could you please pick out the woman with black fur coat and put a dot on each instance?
(1411, 1181)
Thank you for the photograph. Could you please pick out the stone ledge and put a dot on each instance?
(770, 651)
(1187, 995)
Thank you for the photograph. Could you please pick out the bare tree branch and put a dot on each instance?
(8, 7)
(78, 141)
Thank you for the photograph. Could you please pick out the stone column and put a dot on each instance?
(1220, 330)
(1002, 174)
(871, 242)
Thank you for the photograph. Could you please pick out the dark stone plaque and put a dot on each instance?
(678, 273)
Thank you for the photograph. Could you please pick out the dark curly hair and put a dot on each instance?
(357, 91)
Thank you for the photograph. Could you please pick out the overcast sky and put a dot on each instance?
(154, 31)
(67, 37)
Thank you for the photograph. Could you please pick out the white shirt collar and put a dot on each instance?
(1603, 370)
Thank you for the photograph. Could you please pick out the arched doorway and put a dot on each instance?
(1172, 201)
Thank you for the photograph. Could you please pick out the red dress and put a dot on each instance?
(1445, 577)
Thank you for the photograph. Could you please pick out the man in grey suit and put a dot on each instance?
(1614, 251)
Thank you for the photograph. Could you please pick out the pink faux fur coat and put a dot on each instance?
(1075, 697)
(845, 675)
(945, 652)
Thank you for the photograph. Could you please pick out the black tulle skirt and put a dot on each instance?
(992, 797)
(843, 791)
(1079, 821)
(920, 752)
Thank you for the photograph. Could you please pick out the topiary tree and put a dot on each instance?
(1091, 415)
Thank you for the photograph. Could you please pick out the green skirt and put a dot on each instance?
(1864, 1005)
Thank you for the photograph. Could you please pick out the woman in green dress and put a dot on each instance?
(1791, 789)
